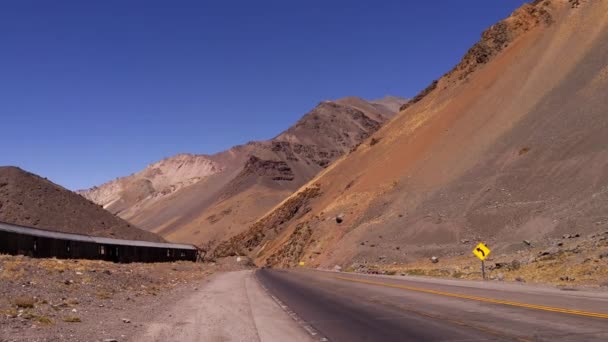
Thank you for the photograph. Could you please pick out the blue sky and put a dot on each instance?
(93, 90)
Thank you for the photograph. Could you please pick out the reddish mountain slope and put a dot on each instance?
(511, 144)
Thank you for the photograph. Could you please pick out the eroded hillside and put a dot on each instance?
(510, 145)
(208, 199)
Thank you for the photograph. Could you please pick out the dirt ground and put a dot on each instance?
(85, 300)
(573, 261)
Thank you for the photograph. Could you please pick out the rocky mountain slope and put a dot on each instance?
(510, 145)
(208, 198)
(28, 200)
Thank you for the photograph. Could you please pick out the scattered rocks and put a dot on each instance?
(549, 251)
(567, 278)
(434, 259)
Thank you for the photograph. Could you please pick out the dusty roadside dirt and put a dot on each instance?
(230, 306)
(83, 300)
(569, 262)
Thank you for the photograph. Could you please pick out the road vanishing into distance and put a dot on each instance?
(334, 306)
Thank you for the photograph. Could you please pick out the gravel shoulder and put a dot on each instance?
(230, 306)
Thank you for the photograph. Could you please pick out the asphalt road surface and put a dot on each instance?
(349, 307)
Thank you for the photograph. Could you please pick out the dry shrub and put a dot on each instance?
(13, 269)
(72, 319)
(43, 320)
(103, 294)
(24, 302)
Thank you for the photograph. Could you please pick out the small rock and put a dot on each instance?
(110, 340)
(340, 218)
(107, 272)
(559, 244)
(566, 236)
(527, 242)
(382, 257)
(464, 241)
(434, 260)
(74, 310)
(338, 268)
(520, 279)
(68, 282)
(78, 273)
(126, 320)
(549, 251)
(515, 264)
(500, 277)
(603, 255)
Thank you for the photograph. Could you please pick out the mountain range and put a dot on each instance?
(206, 199)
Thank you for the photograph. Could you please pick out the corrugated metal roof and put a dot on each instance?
(85, 238)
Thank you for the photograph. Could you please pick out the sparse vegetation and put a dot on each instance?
(72, 319)
(24, 302)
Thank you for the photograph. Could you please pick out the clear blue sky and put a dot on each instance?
(93, 90)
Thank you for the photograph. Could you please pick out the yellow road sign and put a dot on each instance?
(481, 251)
(301, 263)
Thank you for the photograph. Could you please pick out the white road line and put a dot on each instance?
(309, 329)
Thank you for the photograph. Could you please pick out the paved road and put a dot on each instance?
(350, 307)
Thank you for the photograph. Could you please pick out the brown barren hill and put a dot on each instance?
(209, 198)
(29, 200)
(510, 145)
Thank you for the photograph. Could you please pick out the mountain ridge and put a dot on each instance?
(179, 211)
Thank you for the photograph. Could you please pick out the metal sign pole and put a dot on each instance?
(483, 270)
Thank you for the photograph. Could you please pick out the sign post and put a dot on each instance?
(482, 251)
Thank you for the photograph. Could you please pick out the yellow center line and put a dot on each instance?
(481, 299)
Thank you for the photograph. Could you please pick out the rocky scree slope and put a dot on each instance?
(510, 145)
(29, 200)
